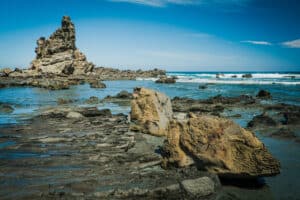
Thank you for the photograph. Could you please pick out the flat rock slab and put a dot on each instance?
(199, 187)
(95, 156)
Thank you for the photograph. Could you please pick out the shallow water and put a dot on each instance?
(28, 101)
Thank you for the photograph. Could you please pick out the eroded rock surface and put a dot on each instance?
(219, 146)
(151, 111)
(59, 55)
(82, 153)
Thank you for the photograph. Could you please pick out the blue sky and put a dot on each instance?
(190, 35)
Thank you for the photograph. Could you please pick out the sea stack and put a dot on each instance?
(58, 54)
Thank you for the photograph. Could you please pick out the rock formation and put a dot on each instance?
(165, 79)
(58, 54)
(219, 146)
(215, 144)
(151, 111)
(263, 94)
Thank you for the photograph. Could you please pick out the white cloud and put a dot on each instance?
(163, 3)
(292, 43)
(159, 3)
(257, 42)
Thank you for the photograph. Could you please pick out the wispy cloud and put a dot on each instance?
(164, 3)
(266, 43)
(292, 43)
(159, 3)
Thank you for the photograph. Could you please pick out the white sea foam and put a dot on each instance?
(238, 75)
(237, 82)
(227, 78)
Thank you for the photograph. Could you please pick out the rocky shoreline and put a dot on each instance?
(59, 64)
(178, 148)
(82, 152)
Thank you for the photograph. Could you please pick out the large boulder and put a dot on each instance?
(219, 146)
(151, 111)
(58, 54)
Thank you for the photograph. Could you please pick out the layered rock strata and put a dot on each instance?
(58, 54)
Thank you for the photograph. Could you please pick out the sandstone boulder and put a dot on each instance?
(219, 146)
(151, 111)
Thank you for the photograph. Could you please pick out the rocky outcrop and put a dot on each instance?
(263, 94)
(5, 72)
(116, 74)
(165, 79)
(58, 54)
(92, 100)
(247, 76)
(5, 108)
(215, 144)
(151, 111)
(97, 84)
(219, 146)
(262, 120)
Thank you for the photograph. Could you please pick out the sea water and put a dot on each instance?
(284, 87)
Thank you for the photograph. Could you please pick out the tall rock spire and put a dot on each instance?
(58, 54)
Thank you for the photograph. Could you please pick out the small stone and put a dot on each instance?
(97, 84)
(247, 76)
(263, 94)
(74, 115)
(6, 108)
(92, 100)
(198, 187)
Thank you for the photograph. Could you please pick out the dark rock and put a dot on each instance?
(94, 112)
(218, 75)
(234, 76)
(61, 101)
(92, 100)
(166, 80)
(262, 120)
(291, 117)
(247, 76)
(6, 108)
(202, 87)
(263, 94)
(235, 116)
(285, 133)
(124, 95)
(97, 84)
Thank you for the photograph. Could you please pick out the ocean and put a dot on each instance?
(284, 87)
